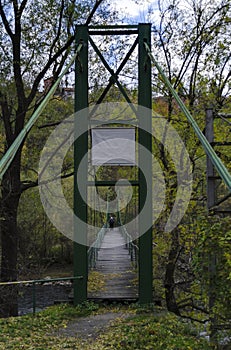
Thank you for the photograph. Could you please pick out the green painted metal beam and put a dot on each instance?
(114, 32)
(112, 183)
(80, 150)
(118, 26)
(113, 121)
(145, 162)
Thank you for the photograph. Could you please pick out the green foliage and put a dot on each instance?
(152, 332)
(159, 331)
(56, 111)
(212, 262)
(40, 243)
(29, 332)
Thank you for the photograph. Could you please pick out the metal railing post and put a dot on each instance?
(34, 297)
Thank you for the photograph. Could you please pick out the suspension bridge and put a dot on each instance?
(127, 266)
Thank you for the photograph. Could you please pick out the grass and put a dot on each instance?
(34, 332)
(144, 329)
(149, 332)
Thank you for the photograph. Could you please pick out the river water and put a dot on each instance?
(46, 295)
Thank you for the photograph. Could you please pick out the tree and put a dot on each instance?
(36, 39)
(192, 44)
(40, 244)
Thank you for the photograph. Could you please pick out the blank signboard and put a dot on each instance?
(113, 146)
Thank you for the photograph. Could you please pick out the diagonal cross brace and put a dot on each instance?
(114, 76)
(118, 71)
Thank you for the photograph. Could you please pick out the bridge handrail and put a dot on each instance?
(39, 281)
(94, 248)
(133, 249)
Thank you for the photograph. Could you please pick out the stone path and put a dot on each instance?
(90, 327)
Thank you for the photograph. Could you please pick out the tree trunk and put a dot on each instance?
(9, 239)
(169, 274)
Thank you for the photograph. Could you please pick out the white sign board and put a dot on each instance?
(113, 146)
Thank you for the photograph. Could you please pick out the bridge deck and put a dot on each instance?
(115, 264)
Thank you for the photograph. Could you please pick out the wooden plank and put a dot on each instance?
(114, 263)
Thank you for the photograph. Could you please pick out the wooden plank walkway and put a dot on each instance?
(114, 263)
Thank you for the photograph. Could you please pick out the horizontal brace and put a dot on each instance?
(113, 121)
(119, 26)
(216, 143)
(214, 178)
(113, 32)
(112, 183)
(223, 115)
(220, 201)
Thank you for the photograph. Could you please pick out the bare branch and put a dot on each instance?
(59, 28)
(31, 184)
(5, 22)
(46, 68)
(97, 4)
(48, 125)
(195, 319)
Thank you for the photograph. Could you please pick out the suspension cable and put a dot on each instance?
(11, 152)
(220, 167)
